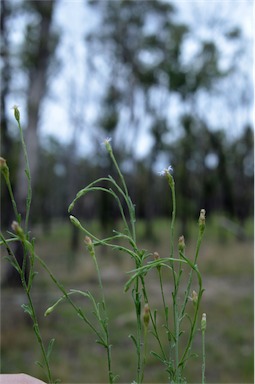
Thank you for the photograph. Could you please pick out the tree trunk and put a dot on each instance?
(39, 56)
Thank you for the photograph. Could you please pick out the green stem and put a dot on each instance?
(176, 281)
(131, 207)
(105, 320)
(28, 174)
(193, 325)
(165, 310)
(62, 289)
(32, 313)
(176, 333)
(154, 325)
(37, 332)
(203, 356)
(138, 331)
(187, 292)
(15, 209)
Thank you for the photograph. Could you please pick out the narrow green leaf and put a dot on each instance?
(27, 309)
(50, 346)
(133, 338)
(157, 356)
(39, 364)
(101, 343)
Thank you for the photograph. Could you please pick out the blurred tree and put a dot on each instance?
(6, 141)
(141, 45)
(35, 55)
(241, 159)
(140, 50)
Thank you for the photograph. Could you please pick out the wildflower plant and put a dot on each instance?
(171, 353)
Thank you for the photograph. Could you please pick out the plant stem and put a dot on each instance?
(165, 310)
(37, 332)
(15, 209)
(203, 356)
(105, 320)
(138, 330)
(31, 310)
(28, 174)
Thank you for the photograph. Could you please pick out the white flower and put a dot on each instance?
(107, 145)
(107, 140)
(166, 170)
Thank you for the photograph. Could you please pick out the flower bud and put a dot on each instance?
(49, 310)
(4, 168)
(201, 221)
(75, 221)
(87, 240)
(16, 113)
(90, 245)
(18, 230)
(156, 257)
(181, 243)
(146, 315)
(170, 180)
(194, 297)
(203, 322)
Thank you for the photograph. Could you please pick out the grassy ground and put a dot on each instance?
(227, 268)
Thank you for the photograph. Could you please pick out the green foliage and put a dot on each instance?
(174, 359)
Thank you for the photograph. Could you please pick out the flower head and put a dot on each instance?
(107, 144)
(107, 140)
(166, 170)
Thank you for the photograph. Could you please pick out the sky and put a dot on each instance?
(71, 86)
